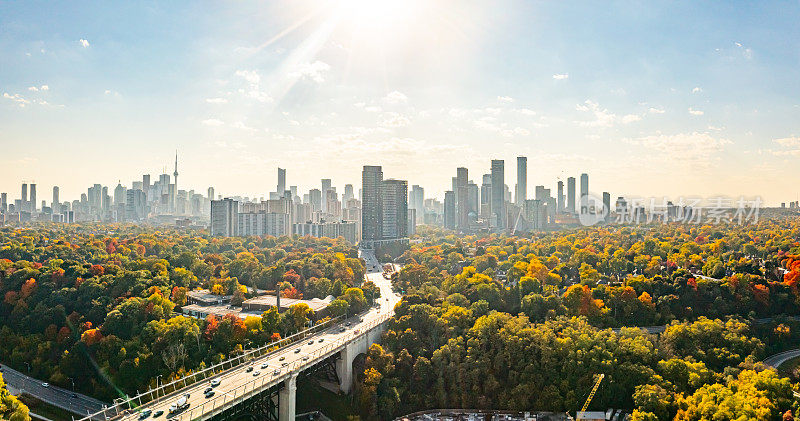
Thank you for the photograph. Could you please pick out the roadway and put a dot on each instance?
(278, 364)
(76, 403)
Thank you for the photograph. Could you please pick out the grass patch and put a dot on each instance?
(790, 368)
(44, 409)
(312, 397)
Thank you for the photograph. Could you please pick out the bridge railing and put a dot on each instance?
(164, 390)
(257, 384)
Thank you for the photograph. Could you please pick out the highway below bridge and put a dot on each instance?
(265, 386)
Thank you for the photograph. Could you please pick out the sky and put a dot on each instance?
(650, 98)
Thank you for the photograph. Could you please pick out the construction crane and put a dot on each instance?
(591, 394)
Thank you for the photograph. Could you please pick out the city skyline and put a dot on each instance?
(250, 87)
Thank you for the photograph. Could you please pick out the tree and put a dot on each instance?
(10, 407)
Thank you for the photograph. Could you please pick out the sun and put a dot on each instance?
(379, 17)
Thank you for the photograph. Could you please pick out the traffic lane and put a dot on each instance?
(55, 395)
(239, 376)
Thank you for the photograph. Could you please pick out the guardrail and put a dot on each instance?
(256, 385)
(163, 390)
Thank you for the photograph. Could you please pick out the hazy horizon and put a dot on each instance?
(673, 99)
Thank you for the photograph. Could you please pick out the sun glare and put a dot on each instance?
(378, 16)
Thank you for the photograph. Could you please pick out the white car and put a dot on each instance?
(45, 384)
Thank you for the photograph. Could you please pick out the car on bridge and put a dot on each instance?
(256, 373)
(297, 351)
(215, 382)
(264, 366)
(158, 413)
(249, 368)
(144, 414)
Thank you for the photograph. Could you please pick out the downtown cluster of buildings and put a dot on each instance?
(469, 207)
(382, 211)
(321, 212)
(155, 201)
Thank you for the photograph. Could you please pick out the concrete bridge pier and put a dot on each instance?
(287, 399)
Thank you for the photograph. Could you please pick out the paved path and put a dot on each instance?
(19, 383)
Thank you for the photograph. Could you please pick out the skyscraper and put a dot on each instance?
(560, 198)
(584, 197)
(417, 200)
(521, 193)
(348, 193)
(210, 193)
(3, 202)
(146, 183)
(315, 198)
(174, 192)
(24, 197)
(606, 204)
(486, 196)
(571, 194)
(32, 202)
(55, 202)
(281, 181)
(371, 180)
(394, 209)
(498, 201)
(326, 185)
(224, 217)
(462, 199)
(449, 210)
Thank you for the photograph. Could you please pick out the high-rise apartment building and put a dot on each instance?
(24, 197)
(224, 217)
(498, 200)
(584, 197)
(281, 181)
(326, 185)
(55, 204)
(416, 200)
(32, 201)
(371, 181)
(449, 210)
(394, 209)
(210, 193)
(521, 193)
(486, 196)
(571, 195)
(462, 200)
(315, 198)
(348, 193)
(560, 197)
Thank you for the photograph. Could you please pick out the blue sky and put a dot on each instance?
(649, 98)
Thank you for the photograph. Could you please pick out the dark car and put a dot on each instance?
(158, 413)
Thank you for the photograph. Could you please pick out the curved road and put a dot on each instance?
(277, 363)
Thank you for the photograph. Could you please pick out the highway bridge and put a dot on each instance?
(264, 386)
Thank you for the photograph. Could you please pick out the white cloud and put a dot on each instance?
(22, 102)
(692, 111)
(697, 89)
(33, 89)
(394, 120)
(526, 111)
(506, 99)
(40, 88)
(315, 71)
(44, 88)
(213, 122)
(791, 146)
(656, 110)
(561, 76)
(692, 148)
(746, 52)
(396, 97)
(84, 43)
(216, 100)
(249, 75)
(603, 117)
